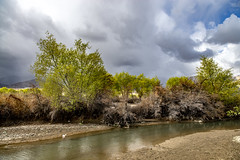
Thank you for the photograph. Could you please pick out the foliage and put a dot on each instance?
(172, 82)
(124, 83)
(235, 112)
(143, 85)
(69, 75)
(7, 90)
(25, 90)
(4, 90)
(176, 83)
(216, 80)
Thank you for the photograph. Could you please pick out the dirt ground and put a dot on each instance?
(32, 133)
(216, 145)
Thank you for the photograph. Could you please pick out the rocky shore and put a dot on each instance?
(32, 133)
(218, 144)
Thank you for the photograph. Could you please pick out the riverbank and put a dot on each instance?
(217, 144)
(36, 132)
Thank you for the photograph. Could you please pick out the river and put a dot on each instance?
(107, 143)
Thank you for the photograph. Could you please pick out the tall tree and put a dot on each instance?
(215, 79)
(68, 75)
(124, 83)
(143, 85)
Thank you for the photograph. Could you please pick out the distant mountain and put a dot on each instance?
(25, 84)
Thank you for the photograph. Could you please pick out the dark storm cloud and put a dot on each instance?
(228, 32)
(179, 45)
(127, 61)
(8, 67)
(131, 22)
(30, 24)
(19, 32)
(7, 61)
(91, 35)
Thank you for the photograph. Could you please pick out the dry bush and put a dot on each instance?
(13, 108)
(119, 116)
(23, 107)
(40, 106)
(147, 108)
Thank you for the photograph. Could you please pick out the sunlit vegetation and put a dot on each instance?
(216, 80)
(25, 91)
(75, 84)
(178, 83)
(69, 76)
(126, 84)
(235, 112)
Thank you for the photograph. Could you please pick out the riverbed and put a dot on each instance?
(216, 145)
(111, 143)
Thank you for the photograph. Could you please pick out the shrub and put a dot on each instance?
(7, 90)
(4, 90)
(234, 113)
(183, 83)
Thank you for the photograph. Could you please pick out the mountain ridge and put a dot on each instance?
(24, 84)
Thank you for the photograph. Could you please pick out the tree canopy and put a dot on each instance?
(125, 84)
(69, 75)
(182, 83)
(143, 85)
(216, 80)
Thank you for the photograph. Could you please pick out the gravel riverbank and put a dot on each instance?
(216, 145)
(32, 133)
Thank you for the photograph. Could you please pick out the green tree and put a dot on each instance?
(143, 85)
(176, 83)
(124, 83)
(69, 75)
(216, 80)
(172, 82)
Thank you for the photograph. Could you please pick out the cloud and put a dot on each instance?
(180, 45)
(228, 32)
(91, 34)
(7, 61)
(127, 62)
(237, 64)
(136, 36)
(20, 30)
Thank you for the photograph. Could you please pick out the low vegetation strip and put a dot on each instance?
(75, 86)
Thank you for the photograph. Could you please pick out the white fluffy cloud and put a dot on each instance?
(228, 32)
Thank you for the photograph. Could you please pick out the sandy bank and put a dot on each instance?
(32, 133)
(215, 145)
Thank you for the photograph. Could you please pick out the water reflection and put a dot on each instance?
(103, 145)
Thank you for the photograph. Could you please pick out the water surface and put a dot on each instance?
(105, 144)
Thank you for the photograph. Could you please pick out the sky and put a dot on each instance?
(163, 38)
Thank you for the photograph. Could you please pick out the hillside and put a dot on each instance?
(24, 84)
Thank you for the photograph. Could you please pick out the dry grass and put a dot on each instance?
(24, 107)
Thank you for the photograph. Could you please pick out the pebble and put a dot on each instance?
(236, 139)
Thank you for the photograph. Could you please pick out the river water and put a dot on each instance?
(108, 143)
